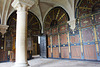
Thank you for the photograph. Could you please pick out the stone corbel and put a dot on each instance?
(72, 24)
(3, 29)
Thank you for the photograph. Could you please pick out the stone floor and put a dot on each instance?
(41, 62)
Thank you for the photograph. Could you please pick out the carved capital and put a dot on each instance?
(22, 4)
(3, 29)
(72, 24)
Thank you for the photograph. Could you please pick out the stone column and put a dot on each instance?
(22, 7)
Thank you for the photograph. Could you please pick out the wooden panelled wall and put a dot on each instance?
(84, 44)
(3, 54)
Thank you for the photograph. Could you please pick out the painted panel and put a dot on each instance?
(85, 7)
(47, 25)
(90, 52)
(63, 38)
(8, 44)
(48, 32)
(65, 19)
(49, 52)
(54, 30)
(35, 32)
(98, 31)
(76, 52)
(55, 40)
(99, 48)
(87, 34)
(74, 39)
(83, 12)
(97, 17)
(1, 41)
(3, 55)
(0, 20)
(29, 44)
(86, 22)
(64, 52)
(49, 43)
(62, 28)
(55, 52)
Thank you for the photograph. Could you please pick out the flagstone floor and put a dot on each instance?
(41, 62)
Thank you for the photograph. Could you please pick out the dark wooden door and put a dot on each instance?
(43, 46)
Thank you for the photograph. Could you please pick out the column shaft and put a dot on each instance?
(21, 38)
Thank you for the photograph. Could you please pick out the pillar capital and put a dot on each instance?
(3, 29)
(72, 24)
(22, 4)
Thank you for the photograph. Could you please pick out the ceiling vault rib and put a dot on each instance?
(2, 19)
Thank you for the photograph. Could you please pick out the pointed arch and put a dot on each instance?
(56, 14)
(34, 25)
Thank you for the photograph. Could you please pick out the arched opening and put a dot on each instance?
(3, 54)
(56, 28)
(33, 31)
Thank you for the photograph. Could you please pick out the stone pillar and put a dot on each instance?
(22, 7)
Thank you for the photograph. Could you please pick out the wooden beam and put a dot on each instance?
(57, 13)
(47, 22)
(31, 19)
(61, 17)
(14, 19)
(91, 2)
(50, 18)
(35, 23)
(53, 14)
(84, 8)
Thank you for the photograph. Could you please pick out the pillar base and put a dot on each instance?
(21, 65)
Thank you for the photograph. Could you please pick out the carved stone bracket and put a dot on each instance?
(72, 24)
(3, 29)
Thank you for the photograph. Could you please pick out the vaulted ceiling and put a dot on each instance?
(40, 8)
